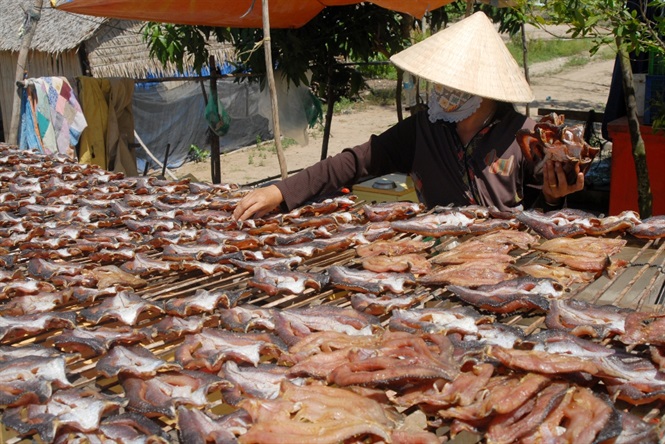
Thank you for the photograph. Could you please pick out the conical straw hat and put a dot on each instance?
(469, 56)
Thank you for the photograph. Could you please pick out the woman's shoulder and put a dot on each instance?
(416, 122)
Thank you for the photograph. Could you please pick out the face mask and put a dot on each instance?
(451, 105)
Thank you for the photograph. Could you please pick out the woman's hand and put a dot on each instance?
(258, 202)
(555, 185)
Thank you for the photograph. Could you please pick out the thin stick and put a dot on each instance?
(152, 156)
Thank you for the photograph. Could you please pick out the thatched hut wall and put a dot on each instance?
(113, 48)
(54, 47)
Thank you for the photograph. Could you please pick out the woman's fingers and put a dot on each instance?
(555, 183)
(258, 203)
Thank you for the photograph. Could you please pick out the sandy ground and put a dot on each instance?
(581, 88)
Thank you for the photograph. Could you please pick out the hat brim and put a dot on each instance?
(470, 56)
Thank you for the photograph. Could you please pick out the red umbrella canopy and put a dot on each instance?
(229, 13)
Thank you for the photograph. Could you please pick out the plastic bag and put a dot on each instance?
(298, 109)
(313, 110)
(217, 117)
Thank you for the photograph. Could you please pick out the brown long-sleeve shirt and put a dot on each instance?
(431, 154)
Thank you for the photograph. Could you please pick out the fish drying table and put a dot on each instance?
(639, 286)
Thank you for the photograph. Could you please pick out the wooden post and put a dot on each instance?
(407, 25)
(469, 8)
(215, 166)
(156, 160)
(33, 16)
(273, 90)
(525, 61)
(398, 94)
(330, 98)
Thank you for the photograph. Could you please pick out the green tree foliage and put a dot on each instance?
(605, 20)
(321, 48)
(174, 44)
(509, 19)
(316, 54)
(627, 27)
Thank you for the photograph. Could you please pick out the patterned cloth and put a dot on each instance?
(451, 105)
(57, 114)
(28, 131)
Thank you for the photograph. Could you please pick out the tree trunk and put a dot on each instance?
(644, 196)
(33, 16)
(330, 98)
(273, 91)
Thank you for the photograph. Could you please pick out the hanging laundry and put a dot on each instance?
(56, 114)
(28, 132)
(94, 96)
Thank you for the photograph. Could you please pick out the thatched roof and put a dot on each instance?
(118, 50)
(115, 48)
(56, 32)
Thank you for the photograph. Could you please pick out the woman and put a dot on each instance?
(461, 151)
